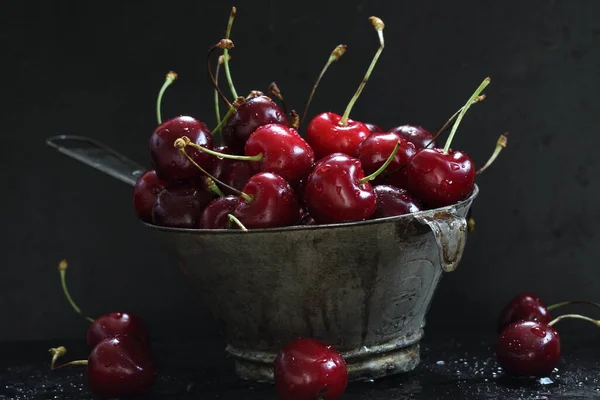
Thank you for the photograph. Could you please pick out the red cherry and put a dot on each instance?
(528, 348)
(234, 173)
(417, 135)
(326, 136)
(181, 206)
(440, 178)
(116, 324)
(146, 189)
(255, 112)
(120, 367)
(310, 369)
(215, 214)
(374, 128)
(392, 201)
(284, 152)
(268, 201)
(169, 163)
(524, 307)
(375, 150)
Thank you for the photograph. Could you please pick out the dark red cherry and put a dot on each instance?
(273, 202)
(417, 135)
(440, 179)
(392, 201)
(215, 213)
(310, 369)
(284, 151)
(376, 149)
(234, 173)
(181, 206)
(120, 367)
(523, 307)
(374, 128)
(326, 136)
(333, 191)
(256, 111)
(114, 324)
(169, 163)
(528, 348)
(146, 189)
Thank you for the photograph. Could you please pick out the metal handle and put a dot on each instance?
(98, 156)
(450, 233)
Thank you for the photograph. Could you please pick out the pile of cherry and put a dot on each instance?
(265, 174)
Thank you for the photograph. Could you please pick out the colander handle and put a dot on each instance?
(450, 231)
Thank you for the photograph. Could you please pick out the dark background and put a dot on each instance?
(94, 69)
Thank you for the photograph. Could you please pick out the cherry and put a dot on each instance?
(528, 348)
(267, 201)
(146, 189)
(441, 177)
(181, 206)
(215, 215)
(234, 173)
(375, 150)
(310, 369)
(392, 201)
(374, 128)
(328, 132)
(417, 135)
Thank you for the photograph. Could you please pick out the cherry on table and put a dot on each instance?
(415, 134)
(181, 206)
(393, 201)
(145, 191)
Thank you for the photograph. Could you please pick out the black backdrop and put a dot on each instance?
(94, 68)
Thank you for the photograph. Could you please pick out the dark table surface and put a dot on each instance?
(450, 369)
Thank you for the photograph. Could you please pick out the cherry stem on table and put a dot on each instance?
(463, 111)
(233, 218)
(257, 157)
(226, 52)
(223, 44)
(574, 316)
(566, 303)
(379, 26)
(56, 352)
(76, 362)
(500, 144)
(334, 56)
(170, 78)
(275, 92)
(383, 167)
(62, 270)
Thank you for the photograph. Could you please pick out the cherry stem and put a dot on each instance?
(379, 26)
(275, 92)
(62, 269)
(216, 100)
(170, 78)
(223, 44)
(447, 124)
(383, 167)
(257, 157)
(226, 52)
(334, 56)
(463, 111)
(471, 224)
(229, 113)
(180, 145)
(566, 303)
(56, 352)
(294, 120)
(236, 221)
(76, 362)
(212, 186)
(500, 144)
(575, 316)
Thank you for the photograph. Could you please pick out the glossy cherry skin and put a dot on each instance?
(392, 201)
(440, 179)
(145, 191)
(120, 367)
(169, 163)
(528, 348)
(374, 151)
(273, 204)
(523, 307)
(181, 206)
(115, 324)
(307, 368)
(215, 213)
(284, 151)
(256, 111)
(234, 173)
(326, 136)
(374, 128)
(417, 135)
(333, 193)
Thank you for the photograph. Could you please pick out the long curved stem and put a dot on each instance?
(383, 167)
(170, 78)
(229, 113)
(575, 316)
(56, 352)
(226, 53)
(233, 218)
(452, 118)
(216, 94)
(257, 157)
(223, 43)
(62, 269)
(500, 144)
(566, 303)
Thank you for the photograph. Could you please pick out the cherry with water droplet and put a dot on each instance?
(310, 369)
(393, 201)
(145, 191)
(417, 135)
(181, 206)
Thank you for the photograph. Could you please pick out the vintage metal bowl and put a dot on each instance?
(365, 287)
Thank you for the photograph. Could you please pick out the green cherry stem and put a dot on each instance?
(226, 52)
(56, 352)
(229, 113)
(236, 221)
(275, 92)
(383, 167)
(181, 143)
(62, 269)
(223, 44)
(216, 99)
(575, 316)
(257, 157)
(170, 78)
(452, 118)
(334, 56)
(566, 303)
(212, 186)
(76, 362)
(463, 111)
(379, 26)
(500, 145)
